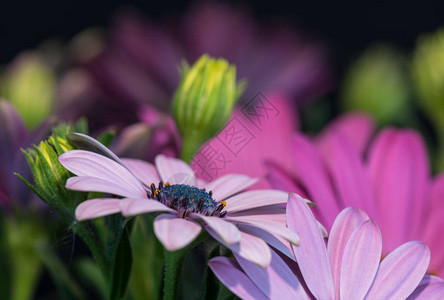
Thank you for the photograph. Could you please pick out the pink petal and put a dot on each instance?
(145, 171)
(95, 208)
(270, 226)
(230, 274)
(400, 174)
(430, 288)
(400, 272)
(229, 185)
(257, 198)
(281, 180)
(357, 127)
(249, 156)
(225, 230)
(313, 176)
(431, 230)
(274, 212)
(175, 233)
(360, 261)
(311, 253)
(132, 207)
(344, 225)
(94, 184)
(275, 241)
(174, 170)
(249, 247)
(85, 163)
(276, 281)
(347, 172)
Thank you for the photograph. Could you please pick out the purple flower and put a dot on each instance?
(349, 267)
(239, 220)
(138, 64)
(387, 176)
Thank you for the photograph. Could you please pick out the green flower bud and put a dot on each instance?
(428, 75)
(204, 101)
(376, 84)
(29, 84)
(50, 176)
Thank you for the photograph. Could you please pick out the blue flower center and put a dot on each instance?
(187, 199)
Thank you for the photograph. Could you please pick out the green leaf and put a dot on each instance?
(121, 267)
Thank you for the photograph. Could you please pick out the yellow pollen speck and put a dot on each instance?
(224, 203)
(167, 183)
(156, 191)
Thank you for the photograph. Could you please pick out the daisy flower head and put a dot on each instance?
(348, 267)
(242, 221)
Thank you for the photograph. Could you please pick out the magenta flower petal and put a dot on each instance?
(357, 127)
(347, 172)
(271, 212)
(249, 247)
(172, 168)
(94, 184)
(271, 226)
(145, 171)
(175, 233)
(400, 272)
(256, 198)
(228, 232)
(96, 208)
(311, 253)
(85, 163)
(230, 274)
(280, 180)
(276, 281)
(399, 173)
(360, 261)
(132, 207)
(229, 185)
(275, 241)
(430, 288)
(312, 174)
(344, 225)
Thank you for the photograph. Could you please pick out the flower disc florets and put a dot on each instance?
(187, 199)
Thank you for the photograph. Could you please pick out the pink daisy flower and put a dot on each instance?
(388, 177)
(349, 267)
(239, 220)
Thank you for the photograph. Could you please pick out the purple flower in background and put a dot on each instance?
(14, 136)
(138, 64)
(239, 220)
(349, 267)
(388, 177)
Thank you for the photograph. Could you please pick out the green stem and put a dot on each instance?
(94, 246)
(173, 266)
(190, 145)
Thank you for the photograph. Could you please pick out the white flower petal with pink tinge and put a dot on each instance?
(85, 163)
(249, 247)
(360, 261)
(145, 171)
(174, 170)
(93, 184)
(95, 208)
(343, 226)
(271, 226)
(175, 233)
(430, 288)
(230, 274)
(311, 253)
(400, 272)
(256, 198)
(227, 232)
(132, 207)
(229, 185)
(276, 281)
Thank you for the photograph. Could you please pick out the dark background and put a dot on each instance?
(347, 27)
